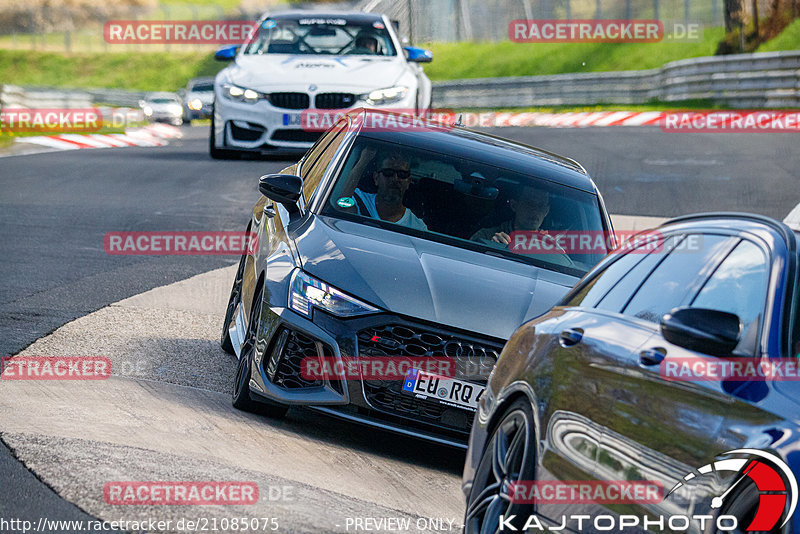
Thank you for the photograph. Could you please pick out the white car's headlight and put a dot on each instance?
(195, 104)
(147, 110)
(240, 94)
(175, 109)
(306, 293)
(390, 95)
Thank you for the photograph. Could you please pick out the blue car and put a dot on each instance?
(676, 366)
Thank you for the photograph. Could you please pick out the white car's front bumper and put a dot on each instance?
(261, 126)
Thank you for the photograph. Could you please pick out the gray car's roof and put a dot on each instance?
(489, 149)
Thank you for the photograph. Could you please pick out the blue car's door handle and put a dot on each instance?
(652, 356)
(570, 337)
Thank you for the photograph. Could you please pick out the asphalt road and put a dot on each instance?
(58, 206)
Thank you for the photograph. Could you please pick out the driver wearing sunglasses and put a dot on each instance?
(392, 180)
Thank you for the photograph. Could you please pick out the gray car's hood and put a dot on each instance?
(428, 280)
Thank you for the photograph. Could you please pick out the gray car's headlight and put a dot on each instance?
(306, 293)
(240, 94)
(390, 95)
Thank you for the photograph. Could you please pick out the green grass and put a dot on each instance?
(789, 39)
(154, 71)
(227, 5)
(478, 60)
(169, 71)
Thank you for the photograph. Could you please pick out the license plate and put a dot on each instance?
(292, 119)
(450, 391)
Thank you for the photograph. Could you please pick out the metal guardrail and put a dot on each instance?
(764, 80)
(49, 97)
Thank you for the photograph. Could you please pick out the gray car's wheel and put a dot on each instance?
(507, 459)
(241, 384)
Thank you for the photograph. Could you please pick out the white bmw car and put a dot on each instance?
(298, 62)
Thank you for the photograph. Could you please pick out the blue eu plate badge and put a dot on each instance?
(411, 379)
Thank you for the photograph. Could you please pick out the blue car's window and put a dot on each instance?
(466, 203)
(677, 276)
(321, 36)
(620, 294)
(624, 267)
(739, 286)
(591, 293)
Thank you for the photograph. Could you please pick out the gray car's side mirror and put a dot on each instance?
(282, 188)
(702, 330)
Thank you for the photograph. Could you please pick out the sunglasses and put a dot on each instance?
(402, 174)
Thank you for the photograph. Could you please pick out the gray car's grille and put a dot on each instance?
(474, 359)
(288, 374)
(290, 100)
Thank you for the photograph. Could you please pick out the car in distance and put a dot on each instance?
(198, 99)
(590, 392)
(333, 278)
(300, 60)
(162, 107)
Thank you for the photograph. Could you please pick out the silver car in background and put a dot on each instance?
(198, 99)
(162, 107)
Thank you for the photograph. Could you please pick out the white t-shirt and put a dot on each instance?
(408, 219)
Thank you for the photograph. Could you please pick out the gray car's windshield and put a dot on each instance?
(466, 203)
(321, 36)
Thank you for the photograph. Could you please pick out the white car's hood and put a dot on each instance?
(268, 71)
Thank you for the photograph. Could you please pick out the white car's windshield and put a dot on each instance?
(321, 36)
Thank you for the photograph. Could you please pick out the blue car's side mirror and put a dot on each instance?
(226, 53)
(418, 55)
